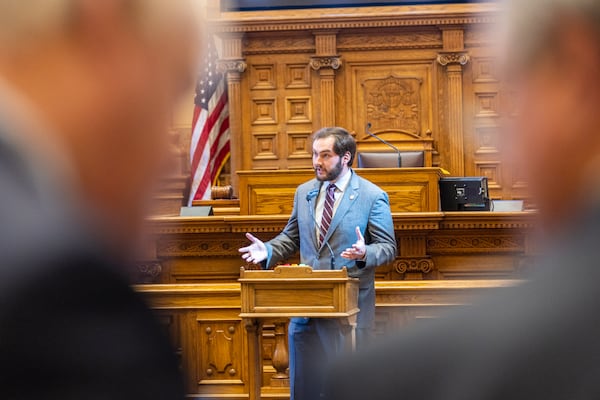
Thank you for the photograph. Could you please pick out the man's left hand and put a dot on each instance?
(358, 251)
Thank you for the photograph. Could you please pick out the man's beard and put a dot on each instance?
(332, 174)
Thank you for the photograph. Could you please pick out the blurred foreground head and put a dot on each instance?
(102, 76)
(553, 59)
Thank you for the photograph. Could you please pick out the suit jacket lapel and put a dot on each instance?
(348, 199)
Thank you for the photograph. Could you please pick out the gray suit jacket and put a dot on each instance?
(364, 205)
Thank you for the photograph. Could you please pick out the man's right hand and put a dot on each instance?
(256, 252)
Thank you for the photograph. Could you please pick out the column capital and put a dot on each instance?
(333, 62)
(414, 264)
(453, 57)
(231, 66)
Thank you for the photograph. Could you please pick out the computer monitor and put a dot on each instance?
(464, 194)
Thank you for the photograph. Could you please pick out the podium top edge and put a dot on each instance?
(295, 271)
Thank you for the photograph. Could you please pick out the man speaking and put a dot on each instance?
(339, 219)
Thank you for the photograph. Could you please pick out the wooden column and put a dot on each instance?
(233, 64)
(326, 61)
(454, 58)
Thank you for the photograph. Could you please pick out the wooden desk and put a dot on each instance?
(272, 192)
(456, 255)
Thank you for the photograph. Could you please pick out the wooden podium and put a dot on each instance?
(293, 291)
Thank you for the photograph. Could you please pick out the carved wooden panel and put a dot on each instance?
(264, 146)
(492, 171)
(297, 76)
(299, 145)
(487, 104)
(487, 139)
(263, 77)
(393, 103)
(298, 110)
(389, 96)
(492, 105)
(280, 98)
(264, 111)
(485, 70)
(221, 361)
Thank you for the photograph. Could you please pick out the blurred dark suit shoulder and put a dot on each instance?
(70, 325)
(535, 341)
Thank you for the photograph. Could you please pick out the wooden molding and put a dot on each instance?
(357, 18)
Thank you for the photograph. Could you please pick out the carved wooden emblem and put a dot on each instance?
(393, 103)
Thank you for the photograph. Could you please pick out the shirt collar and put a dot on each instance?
(341, 183)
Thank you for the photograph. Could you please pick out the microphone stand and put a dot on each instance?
(368, 127)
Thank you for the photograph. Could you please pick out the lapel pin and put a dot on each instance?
(351, 197)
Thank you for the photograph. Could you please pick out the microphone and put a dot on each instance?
(309, 196)
(312, 194)
(368, 127)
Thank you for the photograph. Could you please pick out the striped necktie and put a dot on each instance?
(327, 212)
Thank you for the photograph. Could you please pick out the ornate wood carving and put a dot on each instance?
(221, 363)
(192, 247)
(374, 17)
(390, 40)
(286, 44)
(393, 103)
(420, 265)
(496, 243)
(231, 66)
(447, 58)
(334, 62)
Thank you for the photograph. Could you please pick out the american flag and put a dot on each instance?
(209, 149)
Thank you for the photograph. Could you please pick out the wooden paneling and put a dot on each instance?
(431, 245)
(216, 346)
(197, 263)
(416, 69)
